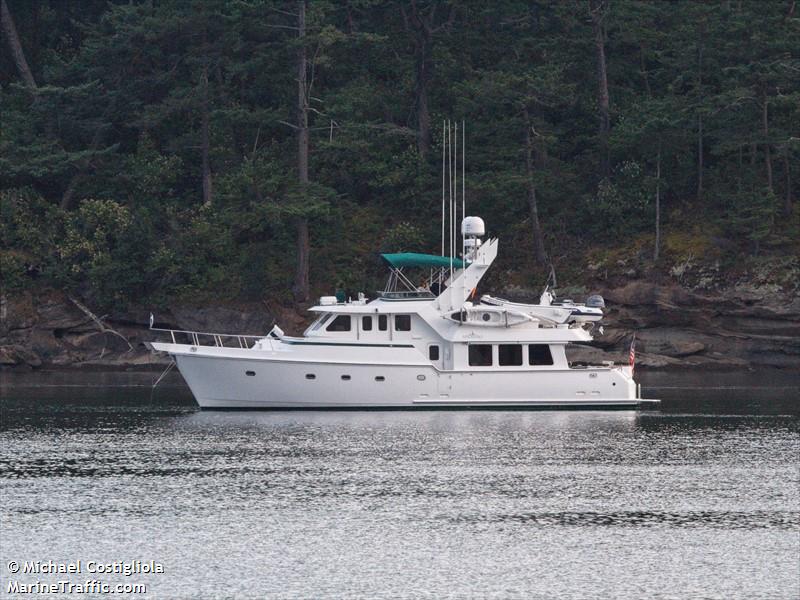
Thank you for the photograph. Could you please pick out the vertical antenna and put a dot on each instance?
(463, 185)
(443, 184)
(455, 187)
(450, 186)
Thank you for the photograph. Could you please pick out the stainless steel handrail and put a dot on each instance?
(218, 338)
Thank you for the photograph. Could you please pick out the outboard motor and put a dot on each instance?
(595, 301)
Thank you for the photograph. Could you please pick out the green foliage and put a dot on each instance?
(751, 216)
(13, 271)
(624, 203)
(130, 93)
(403, 237)
(98, 252)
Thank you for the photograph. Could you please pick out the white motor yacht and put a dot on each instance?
(415, 345)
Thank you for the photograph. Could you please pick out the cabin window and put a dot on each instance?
(509, 355)
(480, 355)
(366, 323)
(340, 323)
(433, 352)
(383, 322)
(321, 321)
(539, 354)
(402, 322)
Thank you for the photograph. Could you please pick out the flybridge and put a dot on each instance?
(455, 278)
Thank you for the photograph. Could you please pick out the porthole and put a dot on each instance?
(380, 378)
(420, 377)
(345, 377)
(310, 376)
(250, 373)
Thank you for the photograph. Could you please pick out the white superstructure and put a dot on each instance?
(434, 345)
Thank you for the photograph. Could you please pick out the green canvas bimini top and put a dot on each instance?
(413, 259)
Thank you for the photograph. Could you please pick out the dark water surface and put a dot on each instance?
(699, 501)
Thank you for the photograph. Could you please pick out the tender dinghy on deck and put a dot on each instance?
(489, 316)
(555, 313)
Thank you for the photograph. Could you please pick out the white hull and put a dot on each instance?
(222, 382)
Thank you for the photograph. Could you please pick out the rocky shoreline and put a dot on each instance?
(676, 328)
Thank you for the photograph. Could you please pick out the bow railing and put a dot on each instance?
(205, 338)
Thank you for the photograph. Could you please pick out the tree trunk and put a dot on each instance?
(787, 202)
(536, 230)
(765, 125)
(657, 247)
(301, 284)
(423, 111)
(14, 45)
(739, 170)
(422, 27)
(597, 11)
(699, 119)
(207, 190)
(72, 187)
(699, 157)
(643, 68)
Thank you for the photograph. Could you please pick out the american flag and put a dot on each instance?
(632, 353)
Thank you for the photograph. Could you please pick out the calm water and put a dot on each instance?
(480, 504)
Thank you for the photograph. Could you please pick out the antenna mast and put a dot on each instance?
(463, 186)
(443, 184)
(450, 190)
(455, 195)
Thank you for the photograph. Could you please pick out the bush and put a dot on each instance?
(106, 253)
(28, 227)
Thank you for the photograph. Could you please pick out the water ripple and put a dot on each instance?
(716, 519)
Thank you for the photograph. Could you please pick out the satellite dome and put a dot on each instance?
(473, 226)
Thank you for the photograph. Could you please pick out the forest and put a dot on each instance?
(161, 151)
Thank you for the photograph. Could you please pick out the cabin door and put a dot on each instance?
(445, 377)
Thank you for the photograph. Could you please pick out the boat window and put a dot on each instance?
(459, 316)
(250, 373)
(480, 355)
(433, 352)
(539, 354)
(383, 322)
(340, 323)
(366, 323)
(380, 378)
(345, 377)
(402, 322)
(509, 355)
(310, 376)
(321, 321)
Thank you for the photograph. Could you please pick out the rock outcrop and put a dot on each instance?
(49, 330)
(675, 328)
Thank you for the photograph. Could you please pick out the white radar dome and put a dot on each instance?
(473, 226)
